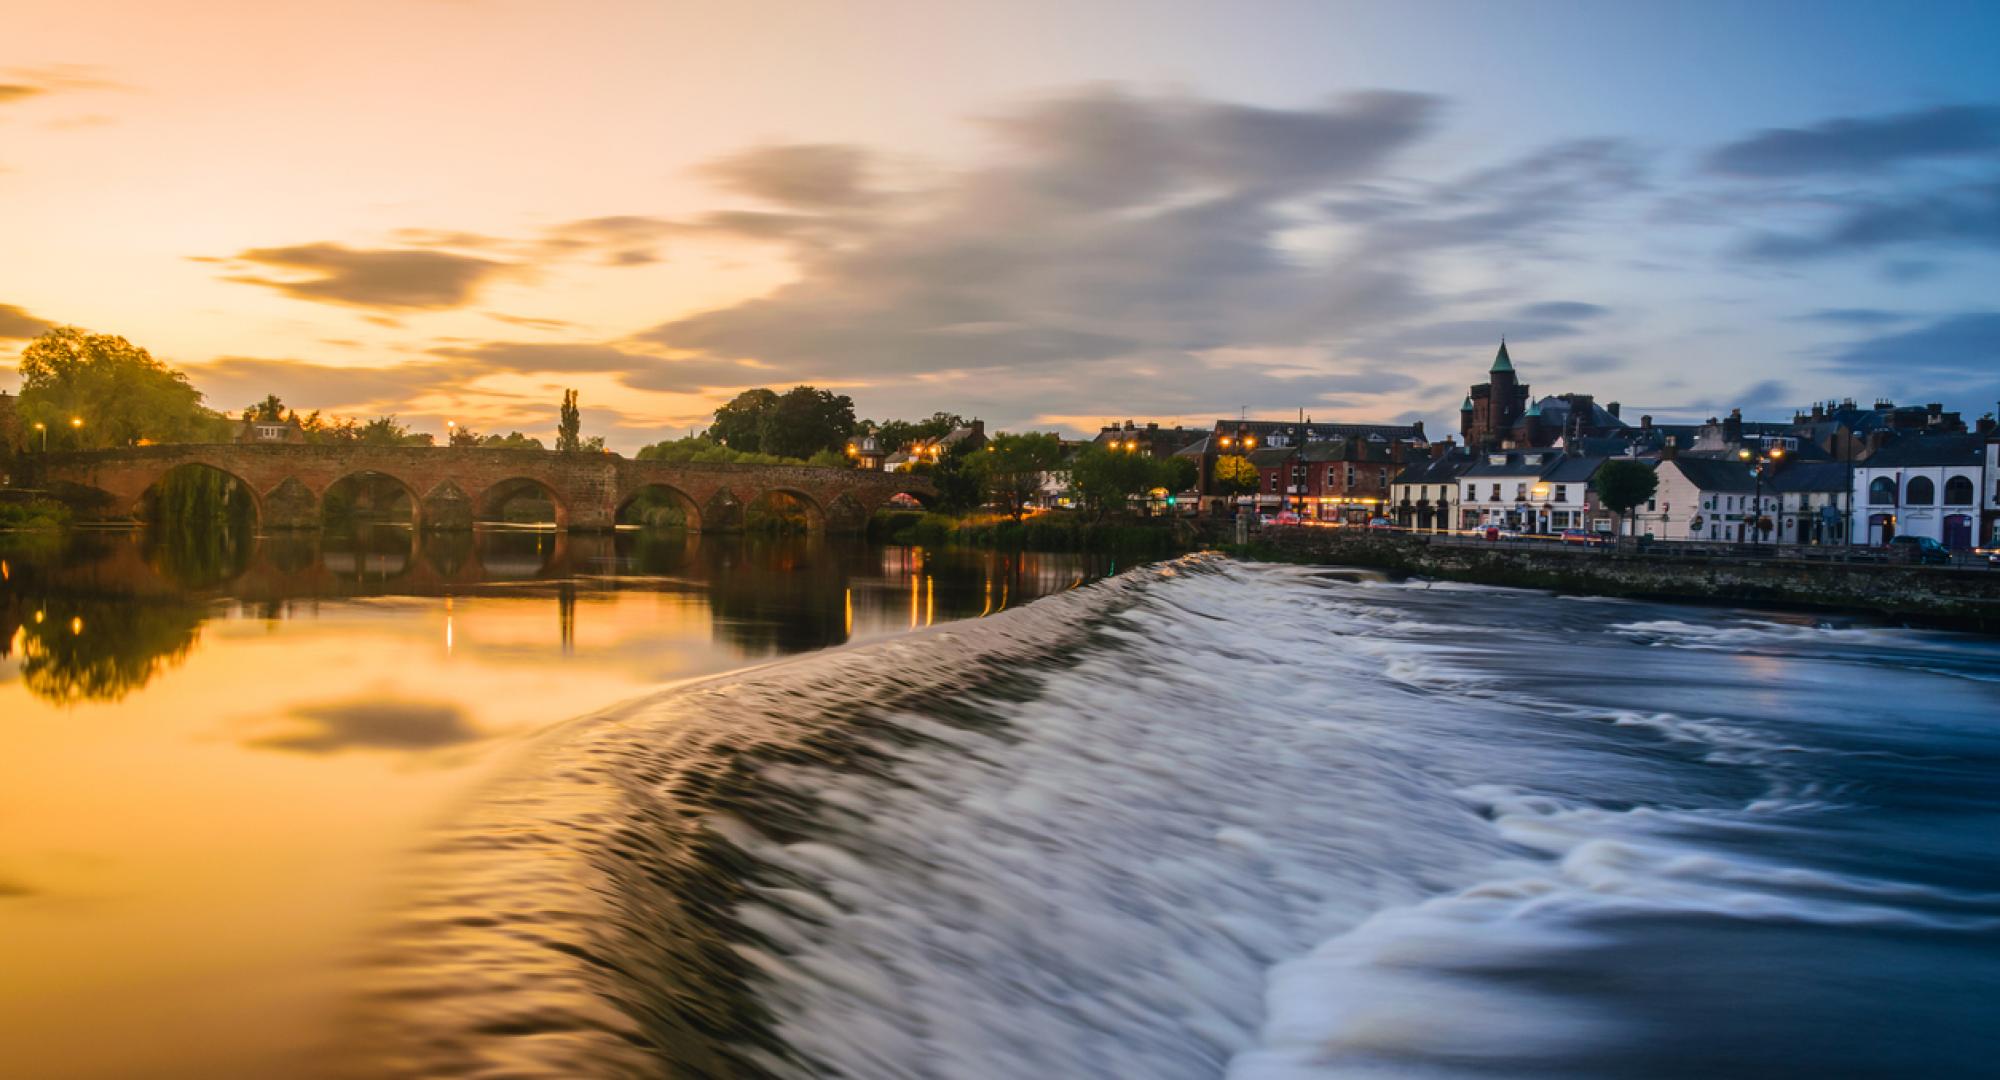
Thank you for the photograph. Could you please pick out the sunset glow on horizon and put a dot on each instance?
(1043, 216)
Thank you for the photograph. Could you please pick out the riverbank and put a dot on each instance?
(1925, 595)
(1047, 531)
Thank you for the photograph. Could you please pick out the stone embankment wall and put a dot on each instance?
(1932, 595)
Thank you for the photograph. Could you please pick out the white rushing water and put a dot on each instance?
(1268, 823)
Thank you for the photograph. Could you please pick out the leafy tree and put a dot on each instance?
(805, 420)
(1234, 475)
(387, 431)
(1012, 467)
(701, 451)
(831, 459)
(739, 424)
(1622, 486)
(569, 431)
(92, 391)
(271, 410)
(513, 440)
(960, 486)
(1179, 474)
(463, 437)
(1107, 479)
(895, 435)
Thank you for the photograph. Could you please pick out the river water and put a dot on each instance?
(1197, 819)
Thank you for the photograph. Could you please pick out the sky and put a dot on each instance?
(1050, 215)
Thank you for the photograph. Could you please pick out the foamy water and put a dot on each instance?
(1210, 819)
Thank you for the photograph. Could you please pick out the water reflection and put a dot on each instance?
(98, 616)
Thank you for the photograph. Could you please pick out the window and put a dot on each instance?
(1652, 505)
(1329, 476)
(1958, 491)
(1350, 476)
(1496, 491)
(1881, 492)
(1562, 492)
(1920, 491)
(1520, 492)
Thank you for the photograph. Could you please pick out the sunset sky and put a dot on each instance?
(1044, 214)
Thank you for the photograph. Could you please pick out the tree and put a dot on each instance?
(271, 410)
(1012, 467)
(1622, 486)
(1179, 474)
(805, 420)
(960, 489)
(1234, 475)
(895, 435)
(98, 390)
(740, 423)
(513, 440)
(387, 431)
(569, 430)
(463, 436)
(1107, 479)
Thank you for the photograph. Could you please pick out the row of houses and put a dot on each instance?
(1836, 473)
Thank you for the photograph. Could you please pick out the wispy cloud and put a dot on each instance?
(16, 323)
(1861, 144)
(392, 280)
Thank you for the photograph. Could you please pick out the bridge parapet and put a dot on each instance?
(451, 487)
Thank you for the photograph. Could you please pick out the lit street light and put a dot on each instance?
(1763, 461)
(44, 429)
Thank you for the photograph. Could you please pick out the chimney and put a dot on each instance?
(1612, 408)
(1672, 449)
(1732, 428)
(1987, 425)
(1646, 422)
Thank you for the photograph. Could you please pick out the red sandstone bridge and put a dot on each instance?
(451, 487)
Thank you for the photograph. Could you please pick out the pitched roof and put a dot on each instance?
(1809, 476)
(1574, 470)
(1715, 474)
(1929, 450)
(1442, 470)
(1501, 361)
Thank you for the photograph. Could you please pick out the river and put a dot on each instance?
(632, 806)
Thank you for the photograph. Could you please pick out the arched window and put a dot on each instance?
(1920, 491)
(1958, 491)
(1882, 492)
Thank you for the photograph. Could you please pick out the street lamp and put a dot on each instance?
(1763, 461)
(44, 429)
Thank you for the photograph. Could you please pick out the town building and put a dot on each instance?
(1922, 485)
(1424, 496)
(1702, 498)
(1812, 502)
(287, 430)
(972, 436)
(1150, 438)
(1533, 491)
(1343, 480)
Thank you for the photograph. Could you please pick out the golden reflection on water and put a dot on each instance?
(202, 785)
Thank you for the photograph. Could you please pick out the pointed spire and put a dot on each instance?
(1534, 408)
(1467, 407)
(1502, 362)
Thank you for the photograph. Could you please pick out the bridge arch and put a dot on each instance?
(778, 508)
(491, 505)
(196, 487)
(359, 495)
(656, 504)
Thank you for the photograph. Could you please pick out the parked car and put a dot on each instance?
(1584, 537)
(1920, 549)
(1496, 532)
(1381, 523)
(1282, 517)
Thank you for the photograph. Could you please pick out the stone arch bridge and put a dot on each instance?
(451, 487)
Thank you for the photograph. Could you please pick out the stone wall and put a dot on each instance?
(1931, 595)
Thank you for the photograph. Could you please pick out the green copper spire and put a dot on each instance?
(1467, 407)
(1534, 408)
(1502, 362)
